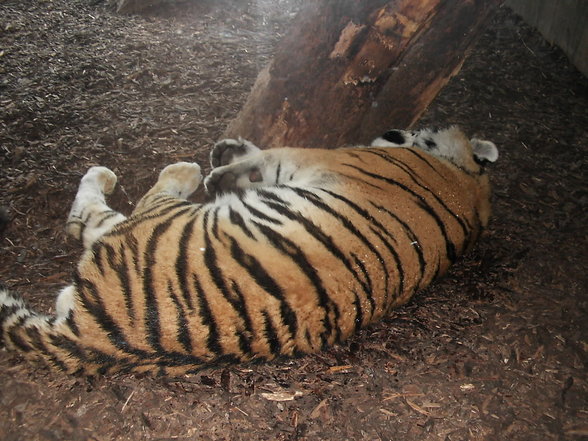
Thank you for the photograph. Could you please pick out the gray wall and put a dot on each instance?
(562, 22)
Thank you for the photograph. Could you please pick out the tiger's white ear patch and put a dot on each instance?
(484, 150)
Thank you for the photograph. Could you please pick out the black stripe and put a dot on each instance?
(399, 267)
(271, 334)
(266, 282)
(124, 275)
(270, 196)
(214, 223)
(214, 270)
(463, 223)
(244, 340)
(411, 236)
(237, 219)
(71, 323)
(92, 302)
(449, 245)
(8, 311)
(96, 356)
(14, 336)
(260, 215)
(38, 344)
(77, 221)
(174, 359)
(308, 338)
(160, 200)
(118, 339)
(349, 225)
(398, 163)
(183, 334)
(278, 171)
(423, 157)
(158, 211)
(366, 274)
(422, 203)
(289, 248)
(106, 215)
(314, 199)
(66, 344)
(381, 232)
(97, 257)
(358, 312)
(212, 340)
(437, 267)
(86, 214)
(356, 154)
(357, 179)
(182, 266)
(111, 254)
(326, 240)
(152, 322)
(120, 267)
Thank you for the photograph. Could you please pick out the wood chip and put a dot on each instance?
(281, 395)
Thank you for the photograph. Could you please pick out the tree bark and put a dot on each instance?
(351, 69)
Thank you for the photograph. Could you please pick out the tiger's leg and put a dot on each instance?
(90, 217)
(178, 180)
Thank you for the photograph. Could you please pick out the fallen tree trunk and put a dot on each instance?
(350, 69)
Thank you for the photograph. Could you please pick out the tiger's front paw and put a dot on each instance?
(231, 177)
(227, 151)
(223, 182)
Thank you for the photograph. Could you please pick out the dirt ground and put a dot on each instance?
(497, 350)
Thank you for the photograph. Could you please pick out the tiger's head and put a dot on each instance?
(450, 144)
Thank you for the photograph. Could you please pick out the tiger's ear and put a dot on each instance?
(484, 151)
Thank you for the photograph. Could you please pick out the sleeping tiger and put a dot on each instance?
(298, 250)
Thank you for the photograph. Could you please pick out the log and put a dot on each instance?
(350, 69)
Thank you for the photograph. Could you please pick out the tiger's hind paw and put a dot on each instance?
(227, 151)
(180, 179)
(99, 179)
(95, 184)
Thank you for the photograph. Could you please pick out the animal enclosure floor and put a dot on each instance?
(497, 350)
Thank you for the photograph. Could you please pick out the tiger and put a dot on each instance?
(295, 250)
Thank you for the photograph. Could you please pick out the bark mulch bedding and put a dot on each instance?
(496, 350)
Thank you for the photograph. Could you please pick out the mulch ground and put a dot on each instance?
(497, 350)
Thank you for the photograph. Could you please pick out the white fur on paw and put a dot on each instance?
(181, 178)
(103, 177)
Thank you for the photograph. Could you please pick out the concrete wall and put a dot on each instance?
(562, 22)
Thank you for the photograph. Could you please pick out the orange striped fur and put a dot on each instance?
(299, 249)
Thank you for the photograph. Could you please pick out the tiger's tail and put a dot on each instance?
(37, 336)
